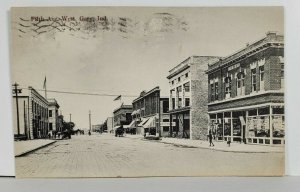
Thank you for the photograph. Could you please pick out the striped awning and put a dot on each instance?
(150, 123)
(144, 120)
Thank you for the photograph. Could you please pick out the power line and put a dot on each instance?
(85, 93)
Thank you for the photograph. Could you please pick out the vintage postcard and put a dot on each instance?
(148, 91)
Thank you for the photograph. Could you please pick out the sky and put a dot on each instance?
(126, 51)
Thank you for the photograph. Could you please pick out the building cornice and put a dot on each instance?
(271, 40)
(246, 97)
(146, 94)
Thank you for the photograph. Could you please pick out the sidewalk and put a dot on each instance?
(24, 147)
(222, 146)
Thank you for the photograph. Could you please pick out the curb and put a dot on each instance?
(32, 150)
(216, 149)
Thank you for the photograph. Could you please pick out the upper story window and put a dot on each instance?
(240, 83)
(212, 92)
(179, 102)
(282, 71)
(261, 78)
(50, 113)
(178, 79)
(216, 91)
(173, 82)
(165, 106)
(227, 87)
(253, 80)
(187, 87)
(186, 75)
(187, 102)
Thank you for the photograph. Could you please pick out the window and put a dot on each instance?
(173, 103)
(173, 82)
(187, 102)
(50, 126)
(282, 72)
(187, 87)
(165, 129)
(261, 78)
(165, 120)
(253, 79)
(178, 79)
(165, 106)
(212, 92)
(179, 102)
(186, 75)
(227, 87)
(50, 113)
(240, 83)
(216, 91)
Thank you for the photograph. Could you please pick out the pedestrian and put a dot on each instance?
(210, 137)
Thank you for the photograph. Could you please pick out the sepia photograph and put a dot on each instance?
(147, 91)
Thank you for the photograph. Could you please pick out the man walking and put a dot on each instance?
(210, 137)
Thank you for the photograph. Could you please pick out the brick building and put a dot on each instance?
(188, 97)
(246, 93)
(150, 113)
(53, 107)
(122, 116)
(33, 114)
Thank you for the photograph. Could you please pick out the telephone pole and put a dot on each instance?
(70, 117)
(16, 91)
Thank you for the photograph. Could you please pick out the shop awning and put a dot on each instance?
(116, 127)
(132, 124)
(150, 123)
(133, 113)
(144, 120)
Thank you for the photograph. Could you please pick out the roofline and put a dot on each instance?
(30, 88)
(123, 107)
(255, 49)
(147, 93)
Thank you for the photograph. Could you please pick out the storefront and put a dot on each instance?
(254, 125)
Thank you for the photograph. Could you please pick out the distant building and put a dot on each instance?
(150, 113)
(122, 116)
(188, 97)
(33, 114)
(53, 115)
(246, 93)
(96, 128)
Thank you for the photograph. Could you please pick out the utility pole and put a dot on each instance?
(70, 117)
(90, 119)
(16, 91)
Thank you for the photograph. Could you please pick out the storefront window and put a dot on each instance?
(278, 126)
(236, 127)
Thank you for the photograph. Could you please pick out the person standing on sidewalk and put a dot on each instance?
(210, 137)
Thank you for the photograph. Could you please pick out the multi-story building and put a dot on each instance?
(122, 115)
(188, 97)
(246, 93)
(33, 114)
(53, 107)
(150, 113)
